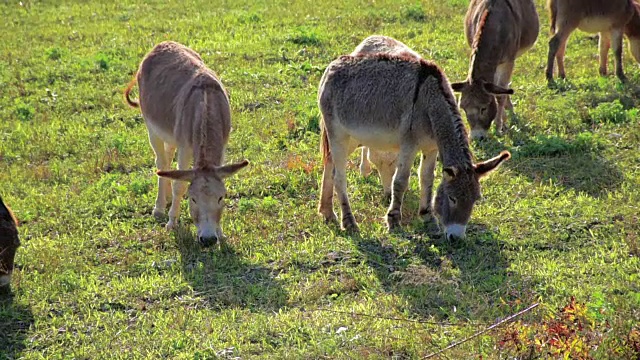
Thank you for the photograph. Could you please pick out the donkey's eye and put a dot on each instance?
(194, 200)
(452, 199)
(220, 200)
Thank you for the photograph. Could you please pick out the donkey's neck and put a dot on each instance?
(486, 54)
(446, 123)
(208, 137)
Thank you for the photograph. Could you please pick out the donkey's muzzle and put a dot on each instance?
(455, 232)
(208, 241)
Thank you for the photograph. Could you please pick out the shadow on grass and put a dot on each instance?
(573, 164)
(224, 280)
(15, 321)
(465, 279)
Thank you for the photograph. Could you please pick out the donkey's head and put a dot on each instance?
(206, 197)
(458, 192)
(9, 243)
(478, 100)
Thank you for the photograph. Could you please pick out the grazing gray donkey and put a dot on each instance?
(184, 105)
(385, 161)
(498, 31)
(610, 18)
(402, 104)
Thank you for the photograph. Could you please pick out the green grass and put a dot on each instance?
(98, 277)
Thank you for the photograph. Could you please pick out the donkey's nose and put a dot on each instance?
(478, 134)
(5, 280)
(208, 240)
(455, 232)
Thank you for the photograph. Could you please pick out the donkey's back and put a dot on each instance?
(371, 98)
(171, 79)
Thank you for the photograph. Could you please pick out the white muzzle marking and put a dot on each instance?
(478, 133)
(5, 279)
(455, 230)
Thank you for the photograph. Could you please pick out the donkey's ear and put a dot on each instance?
(227, 170)
(485, 167)
(460, 86)
(450, 172)
(182, 175)
(494, 89)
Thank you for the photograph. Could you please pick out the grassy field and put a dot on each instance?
(98, 277)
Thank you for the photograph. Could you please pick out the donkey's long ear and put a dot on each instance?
(460, 86)
(227, 170)
(485, 167)
(182, 175)
(494, 89)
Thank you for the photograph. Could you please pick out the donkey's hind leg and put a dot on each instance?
(325, 206)
(503, 78)
(365, 165)
(400, 184)
(179, 187)
(341, 147)
(162, 163)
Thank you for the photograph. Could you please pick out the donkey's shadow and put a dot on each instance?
(466, 278)
(15, 321)
(224, 280)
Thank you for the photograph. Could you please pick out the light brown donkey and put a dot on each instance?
(498, 31)
(9, 243)
(610, 18)
(184, 105)
(398, 103)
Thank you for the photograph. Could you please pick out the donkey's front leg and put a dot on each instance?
(163, 162)
(400, 184)
(179, 187)
(427, 168)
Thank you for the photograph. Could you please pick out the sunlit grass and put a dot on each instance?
(98, 277)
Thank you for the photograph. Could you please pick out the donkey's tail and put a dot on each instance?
(324, 144)
(131, 103)
(553, 14)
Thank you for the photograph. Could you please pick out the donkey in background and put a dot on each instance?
(610, 18)
(498, 31)
(184, 105)
(398, 103)
(9, 243)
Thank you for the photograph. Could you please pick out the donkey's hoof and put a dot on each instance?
(158, 214)
(349, 225)
(393, 220)
(171, 224)
(330, 217)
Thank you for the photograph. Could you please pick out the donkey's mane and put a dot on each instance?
(477, 37)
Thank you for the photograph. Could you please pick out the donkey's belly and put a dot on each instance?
(376, 138)
(597, 24)
(163, 133)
